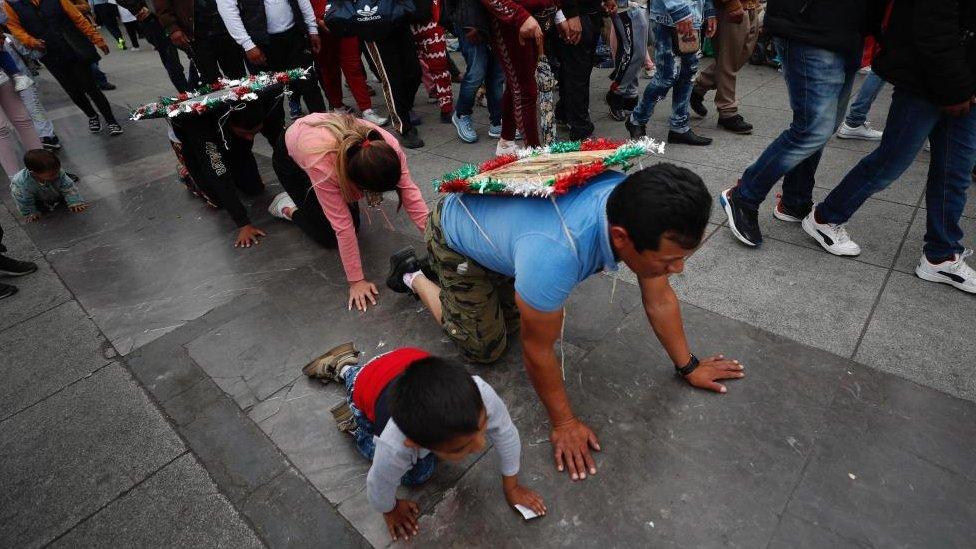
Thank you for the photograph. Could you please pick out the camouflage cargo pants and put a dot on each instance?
(479, 310)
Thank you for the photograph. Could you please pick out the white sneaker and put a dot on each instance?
(370, 116)
(954, 273)
(278, 205)
(864, 131)
(864, 70)
(505, 147)
(22, 82)
(833, 238)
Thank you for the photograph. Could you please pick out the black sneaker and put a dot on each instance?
(427, 269)
(635, 131)
(697, 103)
(114, 129)
(735, 124)
(743, 220)
(6, 290)
(94, 124)
(108, 86)
(411, 139)
(51, 143)
(11, 267)
(688, 138)
(401, 263)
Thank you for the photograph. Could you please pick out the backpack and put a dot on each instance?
(368, 19)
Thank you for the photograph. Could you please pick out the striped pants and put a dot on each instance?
(432, 54)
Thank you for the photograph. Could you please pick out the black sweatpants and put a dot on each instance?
(289, 50)
(309, 216)
(575, 67)
(216, 56)
(76, 77)
(107, 15)
(398, 67)
(168, 54)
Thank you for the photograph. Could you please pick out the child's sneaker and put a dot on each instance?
(278, 205)
(955, 272)
(342, 414)
(94, 124)
(115, 129)
(328, 366)
(370, 115)
(22, 82)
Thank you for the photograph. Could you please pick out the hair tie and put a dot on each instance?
(365, 143)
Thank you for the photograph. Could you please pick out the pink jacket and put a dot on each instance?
(300, 138)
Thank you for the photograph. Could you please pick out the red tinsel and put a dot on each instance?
(282, 78)
(183, 96)
(199, 108)
(576, 176)
(496, 162)
(241, 91)
(454, 186)
(600, 144)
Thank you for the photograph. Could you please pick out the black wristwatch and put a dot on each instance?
(683, 371)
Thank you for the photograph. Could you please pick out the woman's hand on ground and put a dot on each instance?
(402, 520)
(247, 236)
(361, 291)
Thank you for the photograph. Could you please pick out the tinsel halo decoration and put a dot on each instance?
(546, 171)
(220, 92)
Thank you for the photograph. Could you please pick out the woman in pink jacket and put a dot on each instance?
(344, 158)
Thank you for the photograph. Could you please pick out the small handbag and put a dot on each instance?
(686, 43)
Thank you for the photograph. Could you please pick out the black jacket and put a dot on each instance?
(468, 14)
(835, 25)
(256, 20)
(929, 49)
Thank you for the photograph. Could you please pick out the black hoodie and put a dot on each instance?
(836, 25)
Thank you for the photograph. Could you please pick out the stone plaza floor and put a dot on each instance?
(153, 393)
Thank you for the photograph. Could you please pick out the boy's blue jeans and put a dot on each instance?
(818, 82)
(864, 99)
(673, 71)
(421, 471)
(911, 120)
(483, 68)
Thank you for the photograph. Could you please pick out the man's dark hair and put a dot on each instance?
(248, 115)
(41, 160)
(663, 200)
(436, 400)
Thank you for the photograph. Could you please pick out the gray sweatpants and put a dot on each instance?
(631, 28)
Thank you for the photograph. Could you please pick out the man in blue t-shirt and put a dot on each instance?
(508, 262)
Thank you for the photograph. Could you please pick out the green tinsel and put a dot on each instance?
(623, 154)
(564, 147)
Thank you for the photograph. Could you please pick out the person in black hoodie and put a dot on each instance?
(820, 44)
(929, 53)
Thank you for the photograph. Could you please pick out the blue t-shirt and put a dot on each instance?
(529, 242)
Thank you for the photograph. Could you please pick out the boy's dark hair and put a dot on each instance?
(374, 167)
(662, 200)
(436, 400)
(41, 160)
(250, 116)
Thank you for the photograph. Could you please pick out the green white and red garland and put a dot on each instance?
(619, 154)
(221, 92)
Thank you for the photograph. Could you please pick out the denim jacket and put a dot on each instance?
(668, 12)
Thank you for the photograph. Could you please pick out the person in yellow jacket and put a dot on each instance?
(66, 41)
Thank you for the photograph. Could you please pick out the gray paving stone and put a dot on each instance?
(824, 303)
(179, 506)
(923, 331)
(67, 458)
(46, 353)
(796, 533)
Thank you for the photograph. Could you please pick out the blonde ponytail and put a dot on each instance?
(348, 132)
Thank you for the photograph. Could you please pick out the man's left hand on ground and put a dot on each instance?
(714, 369)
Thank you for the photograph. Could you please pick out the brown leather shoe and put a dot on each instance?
(327, 366)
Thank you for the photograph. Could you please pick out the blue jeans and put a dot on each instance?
(418, 474)
(818, 82)
(862, 102)
(911, 120)
(670, 74)
(483, 68)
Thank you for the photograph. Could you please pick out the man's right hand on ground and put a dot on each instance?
(571, 443)
(256, 57)
(685, 27)
(402, 520)
(179, 39)
(713, 369)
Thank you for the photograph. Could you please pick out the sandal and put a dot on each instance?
(326, 367)
(342, 414)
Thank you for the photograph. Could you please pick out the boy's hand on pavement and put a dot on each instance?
(710, 27)
(32, 217)
(519, 494)
(402, 520)
(247, 236)
(684, 26)
(359, 292)
(78, 208)
(571, 443)
(712, 369)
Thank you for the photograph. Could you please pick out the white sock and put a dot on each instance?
(343, 370)
(408, 278)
